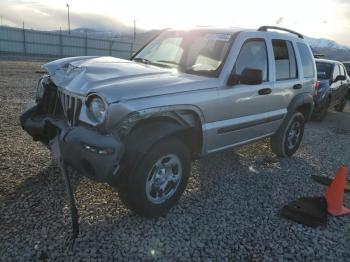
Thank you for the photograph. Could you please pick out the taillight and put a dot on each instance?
(316, 86)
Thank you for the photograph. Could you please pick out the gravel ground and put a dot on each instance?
(228, 212)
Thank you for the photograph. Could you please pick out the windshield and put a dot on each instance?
(324, 70)
(194, 52)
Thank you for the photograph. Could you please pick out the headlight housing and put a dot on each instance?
(40, 89)
(97, 108)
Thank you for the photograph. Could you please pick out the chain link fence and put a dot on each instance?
(26, 42)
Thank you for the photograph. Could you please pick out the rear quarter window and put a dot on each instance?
(306, 60)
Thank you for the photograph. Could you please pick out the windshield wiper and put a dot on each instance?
(149, 62)
(172, 63)
(210, 73)
(168, 62)
(142, 60)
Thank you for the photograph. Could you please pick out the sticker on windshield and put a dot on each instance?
(218, 37)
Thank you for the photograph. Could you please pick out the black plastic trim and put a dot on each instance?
(236, 127)
(266, 27)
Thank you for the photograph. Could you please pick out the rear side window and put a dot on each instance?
(324, 70)
(286, 67)
(306, 60)
(253, 55)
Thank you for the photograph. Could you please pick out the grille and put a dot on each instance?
(71, 106)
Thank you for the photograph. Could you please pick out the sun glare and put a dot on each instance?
(299, 15)
(247, 14)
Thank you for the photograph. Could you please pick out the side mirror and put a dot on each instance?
(249, 76)
(339, 78)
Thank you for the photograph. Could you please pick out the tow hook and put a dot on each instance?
(73, 208)
(56, 152)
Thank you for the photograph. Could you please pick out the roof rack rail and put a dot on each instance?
(319, 55)
(266, 27)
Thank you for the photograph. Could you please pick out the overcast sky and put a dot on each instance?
(316, 18)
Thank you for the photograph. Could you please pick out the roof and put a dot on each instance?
(227, 30)
(233, 30)
(327, 61)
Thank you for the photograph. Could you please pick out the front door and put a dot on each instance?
(247, 112)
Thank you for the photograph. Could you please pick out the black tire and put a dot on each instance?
(280, 143)
(132, 189)
(341, 105)
(321, 111)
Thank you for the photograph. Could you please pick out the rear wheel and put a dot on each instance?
(288, 138)
(157, 182)
(341, 105)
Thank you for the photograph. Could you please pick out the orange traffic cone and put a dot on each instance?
(335, 194)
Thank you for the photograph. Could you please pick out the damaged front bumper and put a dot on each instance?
(93, 154)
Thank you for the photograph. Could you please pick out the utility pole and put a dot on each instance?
(68, 19)
(24, 39)
(134, 30)
(132, 44)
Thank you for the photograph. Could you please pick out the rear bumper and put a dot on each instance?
(93, 154)
(320, 100)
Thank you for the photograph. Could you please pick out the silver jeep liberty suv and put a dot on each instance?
(138, 124)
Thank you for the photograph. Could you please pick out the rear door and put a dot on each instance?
(287, 79)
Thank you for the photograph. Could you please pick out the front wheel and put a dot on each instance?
(158, 181)
(288, 138)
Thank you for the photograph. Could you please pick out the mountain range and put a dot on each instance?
(329, 49)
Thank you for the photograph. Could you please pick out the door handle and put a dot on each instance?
(265, 91)
(297, 86)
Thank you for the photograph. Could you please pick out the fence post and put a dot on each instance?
(61, 43)
(86, 43)
(110, 47)
(131, 49)
(24, 41)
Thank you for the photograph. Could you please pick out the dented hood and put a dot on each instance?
(119, 79)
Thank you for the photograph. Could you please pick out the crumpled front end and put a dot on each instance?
(54, 120)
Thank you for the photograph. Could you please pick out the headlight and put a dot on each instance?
(40, 89)
(97, 108)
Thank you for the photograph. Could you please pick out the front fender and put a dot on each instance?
(145, 135)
